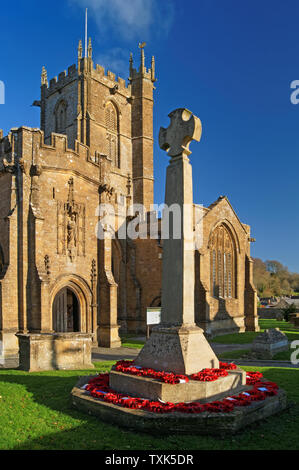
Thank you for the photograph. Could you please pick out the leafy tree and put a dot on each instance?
(275, 267)
(286, 288)
(272, 278)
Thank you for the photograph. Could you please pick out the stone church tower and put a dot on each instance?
(95, 146)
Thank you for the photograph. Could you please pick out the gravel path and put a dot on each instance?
(115, 354)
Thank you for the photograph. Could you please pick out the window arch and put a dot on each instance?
(223, 258)
(66, 311)
(112, 136)
(60, 117)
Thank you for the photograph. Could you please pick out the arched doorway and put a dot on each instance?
(66, 312)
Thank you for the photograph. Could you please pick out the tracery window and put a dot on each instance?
(222, 252)
(112, 126)
(60, 118)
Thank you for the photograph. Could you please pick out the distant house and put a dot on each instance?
(272, 309)
(268, 301)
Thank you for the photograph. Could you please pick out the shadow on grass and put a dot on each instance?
(91, 435)
(52, 390)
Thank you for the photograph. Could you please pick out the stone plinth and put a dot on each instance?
(182, 350)
(233, 383)
(61, 351)
(269, 342)
(178, 423)
(9, 350)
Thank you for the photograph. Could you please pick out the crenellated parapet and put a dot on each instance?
(64, 78)
(109, 79)
(96, 72)
(145, 73)
(24, 143)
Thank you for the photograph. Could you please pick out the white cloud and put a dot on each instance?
(131, 19)
(116, 60)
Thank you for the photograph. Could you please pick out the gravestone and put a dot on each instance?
(269, 342)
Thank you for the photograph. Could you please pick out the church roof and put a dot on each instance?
(219, 200)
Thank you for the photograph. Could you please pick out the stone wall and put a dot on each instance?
(268, 313)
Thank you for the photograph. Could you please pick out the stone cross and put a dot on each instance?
(184, 128)
(178, 345)
(178, 275)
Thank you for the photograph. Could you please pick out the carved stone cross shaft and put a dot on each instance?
(178, 254)
(178, 345)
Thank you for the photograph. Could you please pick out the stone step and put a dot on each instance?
(153, 389)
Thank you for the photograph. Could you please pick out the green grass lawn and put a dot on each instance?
(129, 341)
(281, 356)
(236, 354)
(36, 413)
(292, 333)
(247, 337)
(132, 344)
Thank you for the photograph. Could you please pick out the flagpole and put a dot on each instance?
(86, 33)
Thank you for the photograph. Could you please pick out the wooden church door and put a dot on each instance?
(60, 309)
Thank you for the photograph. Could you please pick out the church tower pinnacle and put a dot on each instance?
(142, 82)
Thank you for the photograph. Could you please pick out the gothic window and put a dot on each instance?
(214, 283)
(60, 118)
(112, 127)
(223, 277)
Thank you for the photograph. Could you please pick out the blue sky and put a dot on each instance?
(229, 62)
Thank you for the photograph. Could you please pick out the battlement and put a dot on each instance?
(146, 73)
(33, 136)
(100, 74)
(63, 79)
(97, 72)
(85, 64)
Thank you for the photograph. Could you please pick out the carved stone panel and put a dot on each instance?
(70, 226)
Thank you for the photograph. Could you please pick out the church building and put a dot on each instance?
(95, 146)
